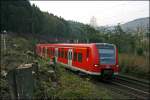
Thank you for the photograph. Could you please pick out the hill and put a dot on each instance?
(131, 26)
(141, 23)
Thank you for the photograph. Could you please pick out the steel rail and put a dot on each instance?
(129, 78)
(139, 88)
(139, 84)
(133, 91)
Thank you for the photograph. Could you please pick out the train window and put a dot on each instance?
(79, 57)
(56, 52)
(107, 54)
(66, 54)
(43, 50)
(53, 52)
(75, 56)
(62, 54)
(87, 54)
(50, 51)
(59, 53)
(70, 55)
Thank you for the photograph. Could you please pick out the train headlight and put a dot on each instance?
(96, 65)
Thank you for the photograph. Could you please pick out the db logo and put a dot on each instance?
(107, 67)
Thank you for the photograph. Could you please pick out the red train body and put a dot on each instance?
(94, 58)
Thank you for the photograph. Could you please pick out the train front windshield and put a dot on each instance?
(107, 54)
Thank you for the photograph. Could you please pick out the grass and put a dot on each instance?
(4, 89)
(134, 65)
(16, 52)
(69, 85)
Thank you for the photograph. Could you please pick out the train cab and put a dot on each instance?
(107, 56)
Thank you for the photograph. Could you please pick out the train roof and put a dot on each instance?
(83, 43)
(75, 44)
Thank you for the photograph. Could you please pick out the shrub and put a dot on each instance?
(140, 51)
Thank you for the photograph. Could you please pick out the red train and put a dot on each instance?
(100, 59)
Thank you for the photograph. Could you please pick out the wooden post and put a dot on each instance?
(25, 83)
(12, 84)
(21, 83)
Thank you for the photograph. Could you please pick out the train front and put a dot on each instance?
(108, 60)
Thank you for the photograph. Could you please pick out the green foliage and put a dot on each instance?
(21, 17)
(69, 85)
(5, 94)
(139, 51)
(15, 16)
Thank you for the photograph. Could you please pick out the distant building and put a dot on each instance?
(93, 22)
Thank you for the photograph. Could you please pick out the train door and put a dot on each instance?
(70, 54)
(56, 54)
(46, 52)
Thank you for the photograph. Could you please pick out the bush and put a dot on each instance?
(69, 86)
(140, 51)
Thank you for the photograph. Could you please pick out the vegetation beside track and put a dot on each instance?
(134, 65)
(18, 51)
(67, 85)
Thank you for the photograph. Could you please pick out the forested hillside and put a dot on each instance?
(22, 17)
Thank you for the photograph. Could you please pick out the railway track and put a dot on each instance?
(134, 87)
(134, 80)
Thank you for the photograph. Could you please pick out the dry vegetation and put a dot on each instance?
(135, 65)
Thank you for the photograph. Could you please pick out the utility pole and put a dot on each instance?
(3, 37)
(4, 41)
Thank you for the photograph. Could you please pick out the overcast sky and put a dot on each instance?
(106, 12)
